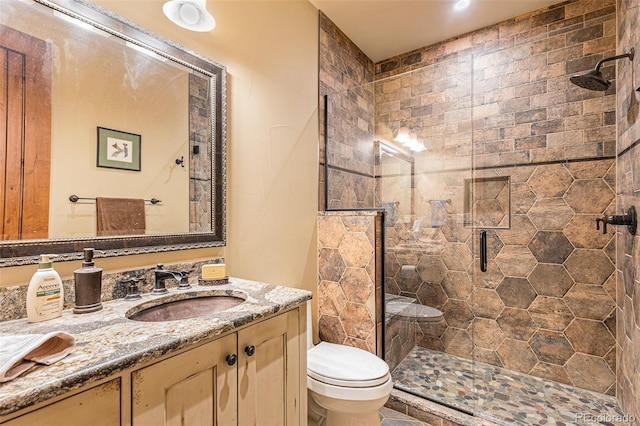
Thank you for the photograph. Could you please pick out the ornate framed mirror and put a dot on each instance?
(95, 88)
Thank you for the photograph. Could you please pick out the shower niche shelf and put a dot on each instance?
(487, 202)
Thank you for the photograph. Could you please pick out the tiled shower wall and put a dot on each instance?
(350, 126)
(628, 253)
(546, 304)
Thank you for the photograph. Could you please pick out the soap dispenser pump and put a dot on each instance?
(88, 285)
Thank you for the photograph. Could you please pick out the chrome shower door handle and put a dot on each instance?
(483, 251)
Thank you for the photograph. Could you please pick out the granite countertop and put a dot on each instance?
(107, 342)
(354, 212)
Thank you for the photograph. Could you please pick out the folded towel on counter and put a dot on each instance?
(120, 216)
(19, 353)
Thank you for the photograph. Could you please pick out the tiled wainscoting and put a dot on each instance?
(350, 279)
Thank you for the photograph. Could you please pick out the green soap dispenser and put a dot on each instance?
(88, 285)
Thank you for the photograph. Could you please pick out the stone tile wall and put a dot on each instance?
(199, 165)
(500, 99)
(344, 66)
(552, 314)
(628, 246)
(13, 300)
(507, 85)
(350, 279)
(546, 304)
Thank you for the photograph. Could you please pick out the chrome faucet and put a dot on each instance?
(162, 274)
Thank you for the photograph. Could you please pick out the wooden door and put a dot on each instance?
(269, 374)
(25, 135)
(197, 387)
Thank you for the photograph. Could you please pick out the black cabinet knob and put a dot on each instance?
(231, 359)
(250, 350)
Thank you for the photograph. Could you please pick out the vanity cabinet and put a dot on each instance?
(269, 376)
(244, 366)
(196, 387)
(252, 376)
(98, 406)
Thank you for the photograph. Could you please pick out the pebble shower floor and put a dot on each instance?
(500, 395)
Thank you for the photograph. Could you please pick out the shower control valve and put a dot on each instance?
(629, 219)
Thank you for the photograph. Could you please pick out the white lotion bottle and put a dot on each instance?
(45, 295)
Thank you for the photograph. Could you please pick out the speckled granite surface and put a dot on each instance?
(107, 342)
(349, 213)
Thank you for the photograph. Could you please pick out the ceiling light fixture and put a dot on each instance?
(189, 14)
(461, 4)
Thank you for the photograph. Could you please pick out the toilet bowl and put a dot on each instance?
(346, 386)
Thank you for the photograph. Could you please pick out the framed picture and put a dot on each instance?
(118, 150)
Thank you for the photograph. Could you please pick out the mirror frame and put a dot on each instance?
(24, 252)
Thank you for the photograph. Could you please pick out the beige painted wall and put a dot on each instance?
(270, 50)
(86, 100)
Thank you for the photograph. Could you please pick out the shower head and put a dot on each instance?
(592, 79)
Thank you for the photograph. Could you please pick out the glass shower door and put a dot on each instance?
(426, 115)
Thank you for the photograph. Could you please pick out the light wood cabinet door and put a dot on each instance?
(269, 372)
(197, 387)
(98, 406)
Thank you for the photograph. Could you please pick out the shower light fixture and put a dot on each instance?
(409, 140)
(189, 14)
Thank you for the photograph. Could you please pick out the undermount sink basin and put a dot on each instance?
(191, 307)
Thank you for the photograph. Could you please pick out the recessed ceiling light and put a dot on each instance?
(461, 4)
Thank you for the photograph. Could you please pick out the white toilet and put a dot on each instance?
(345, 385)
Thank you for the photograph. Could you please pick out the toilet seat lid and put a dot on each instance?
(342, 365)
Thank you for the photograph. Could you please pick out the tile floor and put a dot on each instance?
(504, 396)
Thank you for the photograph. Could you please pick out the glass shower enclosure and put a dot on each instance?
(495, 288)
